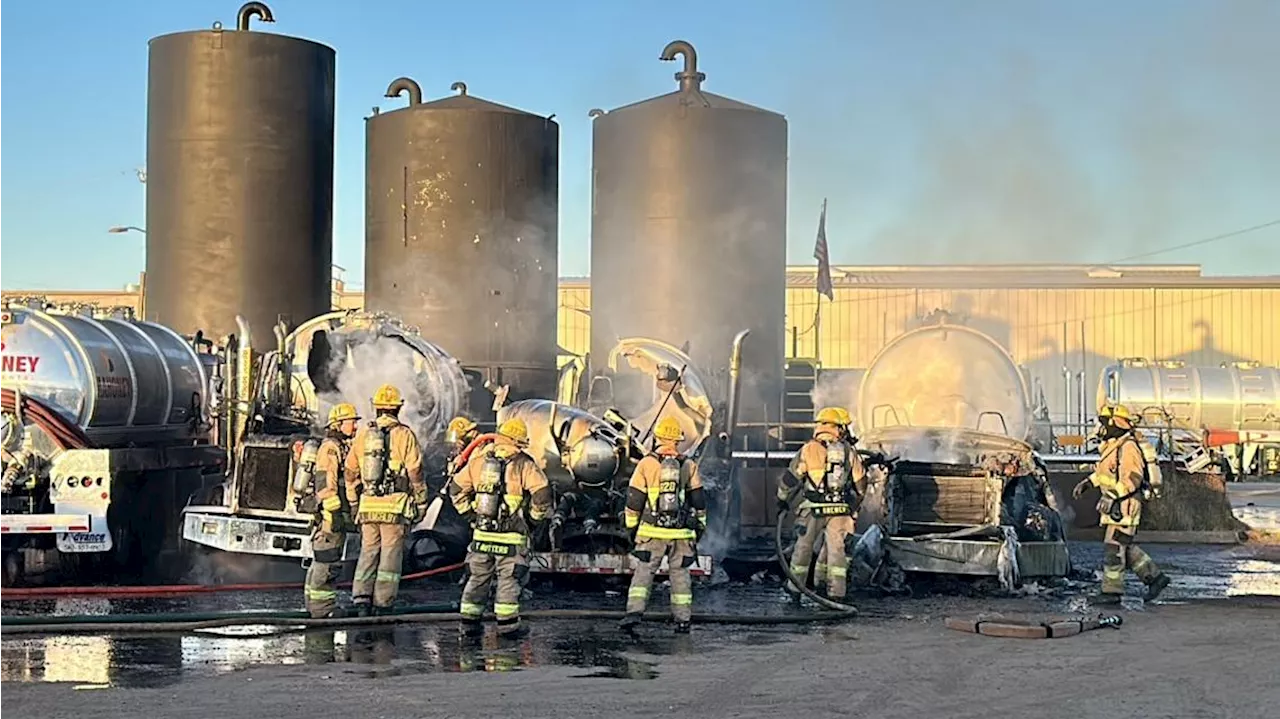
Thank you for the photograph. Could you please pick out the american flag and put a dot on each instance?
(824, 260)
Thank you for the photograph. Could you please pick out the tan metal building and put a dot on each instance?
(1052, 318)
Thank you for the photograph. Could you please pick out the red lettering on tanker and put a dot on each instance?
(19, 363)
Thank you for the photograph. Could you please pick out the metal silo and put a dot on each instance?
(239, 178)
(460, 231)
(688, 230)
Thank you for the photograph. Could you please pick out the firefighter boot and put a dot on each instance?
(682, 627)
(1156, 586)
(470, 628)
(629, 622)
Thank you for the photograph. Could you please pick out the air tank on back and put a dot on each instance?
(688, 230)
(239, 178)
(460, 231)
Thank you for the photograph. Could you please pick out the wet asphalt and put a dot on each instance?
(1200, 574)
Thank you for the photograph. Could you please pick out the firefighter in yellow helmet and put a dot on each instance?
(328, 500)
(829, 475)
(385, 483)
(493, 491)
(667, 509)
(1123, 475)
(459, 434)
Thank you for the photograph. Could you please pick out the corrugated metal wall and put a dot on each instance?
(1052, 330)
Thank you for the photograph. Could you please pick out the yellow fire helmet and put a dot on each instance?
(668, 430)
(838, 416)
(342, 412)
(1118, 414)
(459, 427)
(515, 429)
(387, 397)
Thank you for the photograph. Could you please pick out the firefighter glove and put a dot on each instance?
(783, 506)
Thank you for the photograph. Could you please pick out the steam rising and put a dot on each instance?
(433, 386)
(945, 377)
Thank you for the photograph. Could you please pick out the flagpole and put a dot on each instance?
(817, 309)
(817, 331)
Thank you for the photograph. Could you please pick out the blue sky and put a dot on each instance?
(940, 130)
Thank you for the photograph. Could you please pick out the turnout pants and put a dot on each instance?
(511, 573)
(1120, 553)
(836, 530)
(680, 556)
(378, 571)
(319, 589)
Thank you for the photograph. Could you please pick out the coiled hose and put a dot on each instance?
(846, 609)
(62, 432)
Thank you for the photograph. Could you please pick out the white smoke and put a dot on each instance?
(433, 387)
(837, 388)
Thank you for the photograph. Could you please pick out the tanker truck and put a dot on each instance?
(106, 432)
(270, 406)
(1232, 410)
(944, 417)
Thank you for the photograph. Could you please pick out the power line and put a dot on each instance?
(1197, 243)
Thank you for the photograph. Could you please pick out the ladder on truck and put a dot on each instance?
(800, 376)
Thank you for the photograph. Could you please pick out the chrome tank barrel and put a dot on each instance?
(346, 356)
(461, 231)
(688, 231)
(596, 451)
(945, 376)
(1239, 396)
(240, 145)
(121, 381)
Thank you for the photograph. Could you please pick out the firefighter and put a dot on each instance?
(385, 484)
(498, 482)
(846, 434)
(667, 509)
(1121, 475)
(333, 515)
(460, 433)
(829, 475)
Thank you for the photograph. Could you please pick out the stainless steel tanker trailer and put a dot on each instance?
(1232, 410)
(106, 433)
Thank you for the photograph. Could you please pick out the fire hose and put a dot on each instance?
(1018, 629)
(846, 610)
(421, 614)
(181, 589)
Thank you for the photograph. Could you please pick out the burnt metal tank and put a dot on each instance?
(239, 178)
(460, 231)
(688, 231)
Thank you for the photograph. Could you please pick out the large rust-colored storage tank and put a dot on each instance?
(239, 179)
(688, 231)
(460, 231)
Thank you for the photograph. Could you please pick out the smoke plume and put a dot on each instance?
(1165, 129)
(433, 387)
